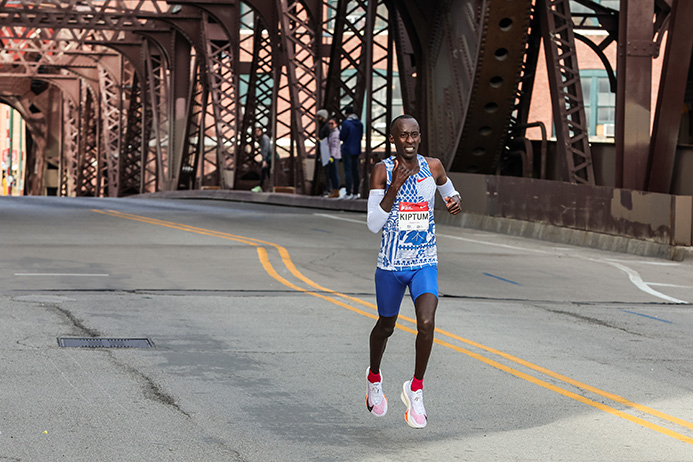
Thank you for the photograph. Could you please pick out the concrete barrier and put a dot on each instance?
(595, 216)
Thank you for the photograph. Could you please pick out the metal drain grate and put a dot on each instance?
(97, 342)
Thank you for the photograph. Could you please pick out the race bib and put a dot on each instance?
(413, 216)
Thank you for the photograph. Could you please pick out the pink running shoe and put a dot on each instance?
(416, 413)
(376, 402)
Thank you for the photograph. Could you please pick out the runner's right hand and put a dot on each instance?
(400, 174)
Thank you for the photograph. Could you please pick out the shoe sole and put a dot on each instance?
(407, 402)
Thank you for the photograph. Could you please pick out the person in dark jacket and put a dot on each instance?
(351, 134)
(323, 130)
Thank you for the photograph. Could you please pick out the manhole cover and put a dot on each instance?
(98, 342)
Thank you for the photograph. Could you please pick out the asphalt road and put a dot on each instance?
(260, 317)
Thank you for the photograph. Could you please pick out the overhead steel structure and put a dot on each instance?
(131, 96)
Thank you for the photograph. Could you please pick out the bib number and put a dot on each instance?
(413, 216)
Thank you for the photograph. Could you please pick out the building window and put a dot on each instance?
(600, 103)
(247, 18)
(577, 10)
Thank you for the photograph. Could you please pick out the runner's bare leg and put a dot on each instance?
(425, 307)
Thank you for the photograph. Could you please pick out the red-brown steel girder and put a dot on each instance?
(672, 88)
(633, 106)
(572, 133)
(460, 68)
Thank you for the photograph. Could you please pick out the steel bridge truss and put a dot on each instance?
(564, 80)
(128, 132)
(157, 96)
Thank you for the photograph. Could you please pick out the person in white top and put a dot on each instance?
(401, 199)
(335, 157)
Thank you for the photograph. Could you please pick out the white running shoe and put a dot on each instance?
(376, 402)
(416, 413)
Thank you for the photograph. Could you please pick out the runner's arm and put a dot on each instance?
(377, 216)
(445, 187)
(447, 190)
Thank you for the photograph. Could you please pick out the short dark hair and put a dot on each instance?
(401, 117)
(348, 109)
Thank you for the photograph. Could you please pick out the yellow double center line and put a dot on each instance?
(261, 245)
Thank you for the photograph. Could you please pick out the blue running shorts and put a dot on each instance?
(390, 286)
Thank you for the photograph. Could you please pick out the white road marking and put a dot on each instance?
(633, 275)
(664, 284)
(639, 283)
(87, 275)
(506, 246)
(334, 217)
(656, 263)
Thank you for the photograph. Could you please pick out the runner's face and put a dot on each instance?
(406, 137)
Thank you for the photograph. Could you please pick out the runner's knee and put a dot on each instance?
(425, 326)
(386, 326)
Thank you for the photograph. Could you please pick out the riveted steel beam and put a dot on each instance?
(672, 89)
(94, 69)
(155, 163)
(86, 24)
(406, 62)
(516, 143)
(130, 159)
(378, 87)
(633, 95)
(258, 98)
(110, 84)
(346, 75)
(300, 59)
(18, 94)
(81, 14)
(190, 160)
(222, 85)
(564, 79)
(88, 182)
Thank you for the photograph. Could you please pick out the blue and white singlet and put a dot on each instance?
(409, 239)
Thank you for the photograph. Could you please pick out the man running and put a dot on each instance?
(401, 200)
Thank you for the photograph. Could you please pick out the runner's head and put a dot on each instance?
(405, 134)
